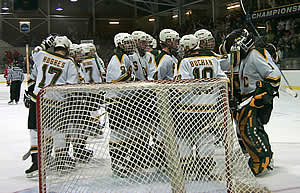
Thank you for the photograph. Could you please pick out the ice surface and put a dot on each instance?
(283, 130)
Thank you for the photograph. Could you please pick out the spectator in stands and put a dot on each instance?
(295, 46)
(16, 77)
(285, 43)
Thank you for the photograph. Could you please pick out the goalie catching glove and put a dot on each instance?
(27, 99)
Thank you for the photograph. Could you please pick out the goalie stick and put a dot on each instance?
(289, 89)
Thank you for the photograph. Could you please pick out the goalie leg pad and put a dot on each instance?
(255, 140)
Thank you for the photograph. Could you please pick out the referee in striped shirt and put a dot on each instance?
(16, 77)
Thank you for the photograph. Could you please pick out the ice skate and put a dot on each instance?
(32, 172)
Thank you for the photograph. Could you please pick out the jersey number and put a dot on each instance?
(206, 72)
(52, 70)
(89, 70)
(135, 66)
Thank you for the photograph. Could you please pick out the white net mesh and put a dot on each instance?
(159, 136)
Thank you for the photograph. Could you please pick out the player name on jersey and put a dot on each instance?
(202, 62)
(53, 62)
(88, 63)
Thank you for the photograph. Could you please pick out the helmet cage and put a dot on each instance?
(141, 39)
(128, 43)
(172, 36)
(187, 44)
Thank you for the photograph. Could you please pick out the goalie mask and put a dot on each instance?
(207, 40)
(188, 44)
(239, 39)
(245, 41)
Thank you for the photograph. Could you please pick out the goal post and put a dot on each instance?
(145, 136)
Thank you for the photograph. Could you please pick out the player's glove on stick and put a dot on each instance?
(27, 99)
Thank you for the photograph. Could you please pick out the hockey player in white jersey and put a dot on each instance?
(99, 61)
(90, 65)
(197, 63)
(192, 131)
(75, 54)
(49, 69)
(143, 60)
(259, 80)
(152, 52)
(207, 39)
(139, 57)
(166, 60)
(153, 46)
(120, 67)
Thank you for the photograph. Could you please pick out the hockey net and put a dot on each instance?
(156, 136)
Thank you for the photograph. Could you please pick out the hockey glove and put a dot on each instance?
(48, 42)
(263, 100)
(27, 99)
(260, 95)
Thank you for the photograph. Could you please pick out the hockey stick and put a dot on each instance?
(289, 90)
(139, 58)
(26, 155)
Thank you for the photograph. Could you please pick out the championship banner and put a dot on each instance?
(276, 11)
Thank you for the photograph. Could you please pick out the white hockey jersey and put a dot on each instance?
(151, 66)
(101, 65)
(258, 65)
(92, 70)
(119, 68)
(200, 66)
(147, 62)
(52, 69)
(139, 66)
(167, 64)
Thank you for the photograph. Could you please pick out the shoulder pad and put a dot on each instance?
(262, 52)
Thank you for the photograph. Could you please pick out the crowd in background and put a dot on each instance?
(260, 4)
(285, 35)
(283, 32)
